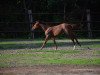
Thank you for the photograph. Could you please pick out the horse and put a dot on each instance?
(53, 31)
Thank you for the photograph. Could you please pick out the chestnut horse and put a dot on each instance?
(52, 32)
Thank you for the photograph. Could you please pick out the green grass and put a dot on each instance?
(44, 57)
(97, 52)
(18, 53)
(22, 44)
(32, 57)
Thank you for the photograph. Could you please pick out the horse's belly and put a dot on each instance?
(57, 32)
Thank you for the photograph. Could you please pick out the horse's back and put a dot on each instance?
(66, 26)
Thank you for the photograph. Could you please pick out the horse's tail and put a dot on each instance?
(76, 26)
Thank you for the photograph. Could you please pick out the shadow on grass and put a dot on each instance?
(29, 44)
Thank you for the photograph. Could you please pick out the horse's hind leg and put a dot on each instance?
(71, 35)
(74, 38)
(46, 39)
(80, 44)
(54, 42)
(73, 43)
(77, 42)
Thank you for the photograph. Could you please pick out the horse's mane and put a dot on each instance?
(42, 22)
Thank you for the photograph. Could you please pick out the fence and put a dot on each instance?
(9, 29)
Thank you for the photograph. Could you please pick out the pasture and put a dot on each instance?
(14, 53)
(26, 53)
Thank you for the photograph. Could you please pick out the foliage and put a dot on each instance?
(14, 13)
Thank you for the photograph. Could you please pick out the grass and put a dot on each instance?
(18, 53)
(22, 44)
(32, 57)
(44, 57)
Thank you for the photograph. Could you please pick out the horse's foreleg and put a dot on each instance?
(77, 42)
(55, 43)
(71, 35)
(72, 38)
(46, 39)
(73, 43)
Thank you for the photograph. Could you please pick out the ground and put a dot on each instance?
(52, 70)
(64, 49)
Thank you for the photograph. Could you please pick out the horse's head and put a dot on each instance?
(35, 26)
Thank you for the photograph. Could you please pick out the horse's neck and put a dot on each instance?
(44, 27)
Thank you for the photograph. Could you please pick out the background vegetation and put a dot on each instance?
(14, 18)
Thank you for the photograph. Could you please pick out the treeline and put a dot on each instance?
(14, 15)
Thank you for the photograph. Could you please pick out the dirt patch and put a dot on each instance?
(52, 69)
